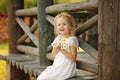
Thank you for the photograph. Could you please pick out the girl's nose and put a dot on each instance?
(61, 25)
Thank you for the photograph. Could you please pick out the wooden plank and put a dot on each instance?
(3, 56)
(32, 29)
(93, 33)
(20, 65)
(75, 78)
(28, 50)
(26, 12)
(87, 25)
(36, 67)
(70, 7)
(28, 68)
(83, 73)
(37, 71)
(27, 31)
(8, 57)
(88, 48)
(49, 48)
(13, 59)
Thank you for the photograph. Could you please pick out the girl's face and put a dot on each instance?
(63, 26)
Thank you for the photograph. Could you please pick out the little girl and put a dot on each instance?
(64, 50)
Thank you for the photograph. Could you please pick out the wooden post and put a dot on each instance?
(14, 32)
(109, 40)
(45, 30)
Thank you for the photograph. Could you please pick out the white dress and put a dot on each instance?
(62, 67)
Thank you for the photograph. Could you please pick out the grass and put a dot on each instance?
(3, 50)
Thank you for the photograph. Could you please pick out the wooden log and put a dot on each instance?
(28, 50)
(84, 35)
(109, 40)
(50, 19)
(77, 6)
(37, 71)
(87, 25)
(44, 30)
(49, 48)
(20, 65)
(26, 12)
(93, 33)
(27, 31)
(88, 48)
(32, 29)
(14, 32)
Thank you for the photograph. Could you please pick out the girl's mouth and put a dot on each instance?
(61, 29)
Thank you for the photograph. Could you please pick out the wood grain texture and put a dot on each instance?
(109, 37)
(70, 7)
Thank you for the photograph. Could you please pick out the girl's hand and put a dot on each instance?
(57, 47)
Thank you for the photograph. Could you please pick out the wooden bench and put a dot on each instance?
(30, 65)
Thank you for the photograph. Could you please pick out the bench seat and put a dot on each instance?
(30, 65)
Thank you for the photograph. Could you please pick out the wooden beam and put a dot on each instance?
(88, 48)
(93, 33)
(77, 6)
(44, 30)
(26, 12)
(50, 19)
(28, 50)
(14, 32)
(109, 40)
(27, 31)
(32, 29)
(87, 25)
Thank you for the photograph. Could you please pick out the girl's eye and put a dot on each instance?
(58, 24)
(64, 24)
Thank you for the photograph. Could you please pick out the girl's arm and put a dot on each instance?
(72, 55)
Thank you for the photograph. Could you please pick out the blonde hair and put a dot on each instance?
(69, 18)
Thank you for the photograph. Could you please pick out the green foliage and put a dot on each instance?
(27, 4)
(30, 3)
(65, 1)
(3, 5)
